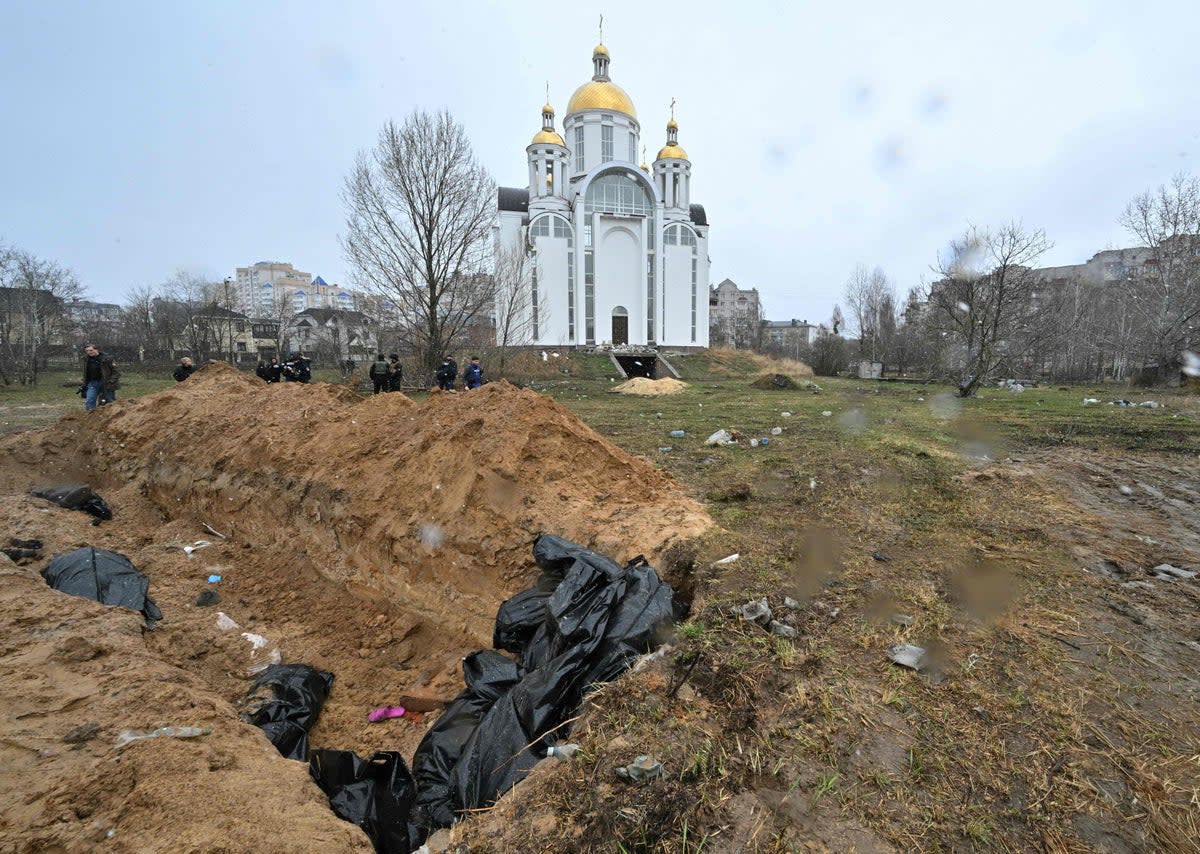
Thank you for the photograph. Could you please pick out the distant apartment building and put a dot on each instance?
(735, 316)
(791, 335)
(1110, 266)
(259, 287)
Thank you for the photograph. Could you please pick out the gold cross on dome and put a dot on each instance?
(601, 29)
(672, 108)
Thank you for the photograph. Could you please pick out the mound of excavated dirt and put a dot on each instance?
(645, 387)
(373, 538)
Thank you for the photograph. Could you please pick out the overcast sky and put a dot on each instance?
(143, 137)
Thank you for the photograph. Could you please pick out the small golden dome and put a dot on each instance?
(671, 152)
(601, 95)
(547, 137)
(645, 168)
(599, 50)
(672, 125)
(547, 109)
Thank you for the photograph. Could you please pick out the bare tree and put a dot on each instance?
(419, 210)
(518, 317)
(986, 300)
(1164, 295)
(872, 301)
(137, 322)
(32, 314)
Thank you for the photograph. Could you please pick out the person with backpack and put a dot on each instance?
(380, 373)
(397, 372)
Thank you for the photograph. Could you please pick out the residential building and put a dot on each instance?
(790, 335)
(620, 252)
(259, 287)
(332, 336)
(736, 315)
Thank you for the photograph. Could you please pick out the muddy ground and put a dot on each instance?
(375, 537)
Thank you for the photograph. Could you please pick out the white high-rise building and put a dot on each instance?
(619, 252)
(260, 285)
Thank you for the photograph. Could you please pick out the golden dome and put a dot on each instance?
(672, 125)
(599, 50)
(601, 95)
(547, 137)
(671, 152)
(547, 109)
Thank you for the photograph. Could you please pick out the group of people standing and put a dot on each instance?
(448, 373)
(386, 374)
(295, 370)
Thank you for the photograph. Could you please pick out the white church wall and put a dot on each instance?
(551, 263)
(678, 263)
(620, 278)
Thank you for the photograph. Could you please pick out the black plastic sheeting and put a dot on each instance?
(376, 794)
(285, 702)
(76, 497)
(102, 576)
(580, 625)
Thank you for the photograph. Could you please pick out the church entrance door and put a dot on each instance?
(620, 326)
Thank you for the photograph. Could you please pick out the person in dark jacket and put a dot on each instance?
(274, 371)
(262, 371)
(297, 369)
(473, 375)
(445, 375)
(101, 378)
(380, 372)
(184, 369)
(397, 372)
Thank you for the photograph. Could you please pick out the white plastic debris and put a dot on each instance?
(1090, 401)
(907, 655)
(195, 547)
(256, 641)
(1016, 388)
(1150, 404)
(128, 736)
(776, 431)
(785, 415)
(827, 413)
(733, 557)
(224, 622)
(721, 437)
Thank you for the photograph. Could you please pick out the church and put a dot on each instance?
(616, 253)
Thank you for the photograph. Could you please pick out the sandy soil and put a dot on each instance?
(646, 387)
(370, 537)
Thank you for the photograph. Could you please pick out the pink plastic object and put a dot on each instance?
(385, 712)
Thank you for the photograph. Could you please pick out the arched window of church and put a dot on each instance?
(618, 192)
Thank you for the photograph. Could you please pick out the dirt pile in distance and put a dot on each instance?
(646, 387)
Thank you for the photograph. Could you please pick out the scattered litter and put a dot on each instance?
(649, 659)
(641, 770)
(785, 415)
(224, 621)
(214, 579)
(195, 547)
(1141, 585)
(384, 713)
(213, 530)
(907, 655)
(1016, 388)
(666, 449)
(764, 441)
(1124, 490)
(901, 619)
(833, 615)
(776, 431)
(76, 497)
(781, 629)
(1150, 404)
(1122, 402)
(284, 702)
(920, 400)
(376, 794)
(790, 603)
(754, 443)
(256, 641)
(1089, 401)
(730, 559)
(105, 577)
(826, 413)
(565, 752)
(755, 611)
(20, 549)
(1168, 572)
(128, 736)
(880, 556)
(812, 483)
(721, 437)
(677, 434)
